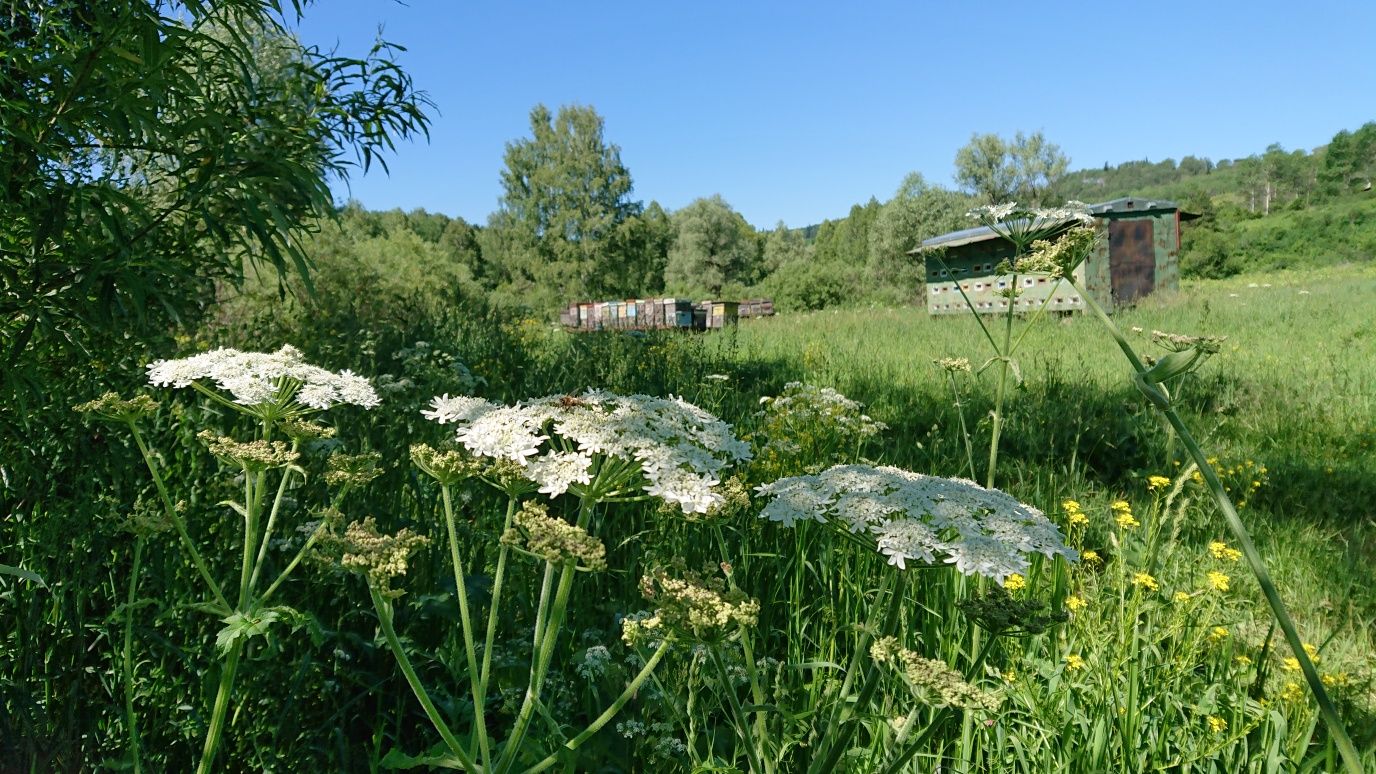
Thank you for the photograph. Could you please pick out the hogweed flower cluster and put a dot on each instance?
(553, 539)
(1025, 225)
(448, 466)
(930, 679)
(1060, 257)
(352, 470)
(250, 455)
(379, 556)
(698, 606)
(922, 519)
(259, 379)
(674, 449)
(112, 408)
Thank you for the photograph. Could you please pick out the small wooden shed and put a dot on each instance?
(1139, 256)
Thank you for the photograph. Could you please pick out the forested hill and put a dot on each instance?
(539, 250)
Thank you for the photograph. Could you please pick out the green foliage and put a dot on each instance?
(713, 248)
(562, 230)
(1023, 169)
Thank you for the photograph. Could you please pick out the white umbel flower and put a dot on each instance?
(258, 378)
(926, 520)
(678, 450)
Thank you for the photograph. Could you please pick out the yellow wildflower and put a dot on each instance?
(1157, 483)
(1218, 581)
(1015, 582)
(1009, 676)
(1070, 506)
(1312, 651)
(1217, 725)
(1145, 581)
(1074, 661)
(1334, 679)
(1122, 514)
(1290, 664)
(1075, 603)
(1218, 633)
(1221, 550)
(1180, 597)
(1091, 557)
(1243, 661)
(1078, 519)
(1292, 692)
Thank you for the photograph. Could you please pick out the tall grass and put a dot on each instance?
(1152, 684)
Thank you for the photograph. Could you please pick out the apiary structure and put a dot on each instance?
(1139, 256)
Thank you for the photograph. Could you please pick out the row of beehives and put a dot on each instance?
(651, 313)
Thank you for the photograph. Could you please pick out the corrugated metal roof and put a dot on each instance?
(982, 233)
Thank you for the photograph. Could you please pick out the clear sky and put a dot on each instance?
(795, 111)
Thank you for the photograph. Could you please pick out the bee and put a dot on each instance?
(571, 401)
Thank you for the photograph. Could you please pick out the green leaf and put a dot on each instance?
(239, 626)
(19, 572)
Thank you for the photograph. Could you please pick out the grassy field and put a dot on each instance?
(1165, 658)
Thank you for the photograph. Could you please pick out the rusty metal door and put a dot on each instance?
(1131, 259)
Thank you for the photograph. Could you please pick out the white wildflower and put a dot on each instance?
(677, 450)
(556, 470)
(460, 408)
(259, 378)
(926, 520)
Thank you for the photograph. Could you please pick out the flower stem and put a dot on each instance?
(1249, 550)
(217, 715)
(272, 522)
(608, 714)
(461, 591)
(384, 617)
(1004, 363)
(491, 635)
(177, 522)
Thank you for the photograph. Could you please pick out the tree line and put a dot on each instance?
(569, 228)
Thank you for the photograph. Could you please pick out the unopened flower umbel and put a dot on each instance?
(922, 519)
(600, 441)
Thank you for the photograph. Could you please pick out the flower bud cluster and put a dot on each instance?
(447, 467)
(554, 539)
(304, 430)
(111, 407)
(931, 679)
(352, 470)
(381, 557)
(253, 456)
(697, 605)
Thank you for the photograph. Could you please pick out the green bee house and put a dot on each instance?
(1139, 257)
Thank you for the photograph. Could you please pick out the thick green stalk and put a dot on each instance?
(384, 617)
(217, 715)
(964, 431)
(491, 635)
(129, 656)
(1249, 550)
(461, 590)
(272, 522)
(758, 761)
(541, 659)
(1004, 364)
(250, 532)
(177, 522)
(631, 689)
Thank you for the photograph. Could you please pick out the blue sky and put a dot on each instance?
(796, 111)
